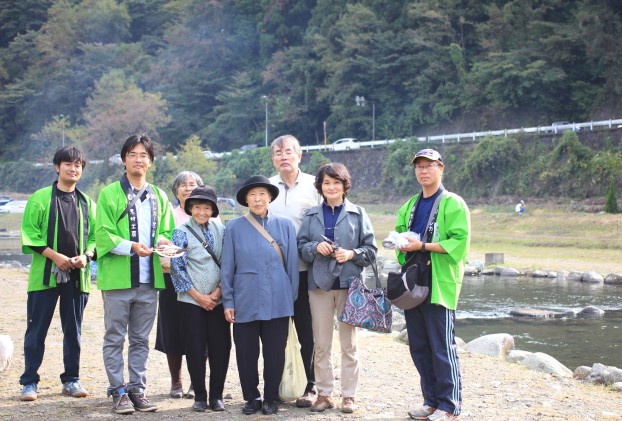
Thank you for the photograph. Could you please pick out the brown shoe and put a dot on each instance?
(305, 400)
(347, 405)
(322, 403)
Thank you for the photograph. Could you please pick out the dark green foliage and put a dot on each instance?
(611, 203)
(425, 66)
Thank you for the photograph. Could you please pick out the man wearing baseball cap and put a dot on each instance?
(442, 221)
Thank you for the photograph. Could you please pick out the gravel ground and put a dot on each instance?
(389, 383)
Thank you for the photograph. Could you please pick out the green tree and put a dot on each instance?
(117, 109)
(611, 203)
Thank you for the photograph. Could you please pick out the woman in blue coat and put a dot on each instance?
(259, 286)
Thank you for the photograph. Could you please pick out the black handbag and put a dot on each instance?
(411, 287)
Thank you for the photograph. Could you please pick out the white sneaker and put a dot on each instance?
(421, 413)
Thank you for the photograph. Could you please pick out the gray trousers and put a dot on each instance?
(128, 312)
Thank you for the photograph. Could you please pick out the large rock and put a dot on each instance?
(591, 311)
(551, 274)
(504, 271)
(532, 312)
(471, 270)
(539, 274)
(575, 277)
(562, 275)
(539, 361)
(581, 372)
(613, 278)
(603, 374)
(496, 345)
(593, 278)
(516, 355)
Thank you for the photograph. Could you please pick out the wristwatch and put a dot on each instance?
(89, 257)
(423, 246)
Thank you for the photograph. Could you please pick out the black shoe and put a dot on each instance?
(199, 406)
(250, 407)
(216, 405)
(270, 407)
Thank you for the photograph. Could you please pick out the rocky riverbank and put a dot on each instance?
(389, 386)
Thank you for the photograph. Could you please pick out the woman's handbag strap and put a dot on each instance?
(266, 235)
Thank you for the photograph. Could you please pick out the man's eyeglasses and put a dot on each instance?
(425, 167)
(288, 153)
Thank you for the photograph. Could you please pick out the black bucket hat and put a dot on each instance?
(202, 194)
(256, 181)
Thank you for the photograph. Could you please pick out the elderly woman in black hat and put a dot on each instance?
(196, 277)
(259, 287)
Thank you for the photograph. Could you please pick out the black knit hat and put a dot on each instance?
(202, 194)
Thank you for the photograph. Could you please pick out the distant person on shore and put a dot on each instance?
(520, 207)
(430, 325)
(58, 229)
(297, 194)
(133, 217)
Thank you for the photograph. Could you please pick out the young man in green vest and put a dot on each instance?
(133, 218)
(58, 230)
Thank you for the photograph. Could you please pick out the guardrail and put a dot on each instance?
(558, 128)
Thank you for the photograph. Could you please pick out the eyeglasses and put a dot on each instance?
(288, 153)
(134, 156)
(427, 167)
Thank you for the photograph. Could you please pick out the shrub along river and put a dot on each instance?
(486, 302)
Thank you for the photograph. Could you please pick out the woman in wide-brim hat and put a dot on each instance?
(196, 277)
(258, 290)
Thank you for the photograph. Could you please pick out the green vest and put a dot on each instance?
(35, 232)
(113, 270)
(454, 235)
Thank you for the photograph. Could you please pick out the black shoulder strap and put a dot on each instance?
(204, 244)
(132, 202)
(433, 214)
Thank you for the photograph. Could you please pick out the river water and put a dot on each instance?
(486, 302)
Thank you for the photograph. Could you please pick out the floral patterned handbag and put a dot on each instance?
(368, 308)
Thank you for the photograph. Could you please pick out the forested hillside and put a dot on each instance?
(89, 72)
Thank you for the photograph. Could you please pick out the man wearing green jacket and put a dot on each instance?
(431, 336)
(133, 217)
(58, 230)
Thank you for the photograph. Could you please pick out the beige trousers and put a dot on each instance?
(325, 306)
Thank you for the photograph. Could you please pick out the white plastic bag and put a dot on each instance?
(294, 380)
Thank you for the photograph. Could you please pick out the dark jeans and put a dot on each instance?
(206, 328)
(304, 328)
(273, 334)
(40, 310)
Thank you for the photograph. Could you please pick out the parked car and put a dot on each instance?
(4, 200)
(345, 144)
(115, 159)
(250, 147)
(14, 206)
